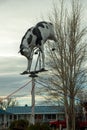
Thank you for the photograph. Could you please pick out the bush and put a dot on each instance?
(45, 126)
(23, 125)
(19, 125)
(39, 126)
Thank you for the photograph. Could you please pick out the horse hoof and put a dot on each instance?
(25, 72)
(43, 69)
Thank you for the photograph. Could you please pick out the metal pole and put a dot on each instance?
(33, 75)
(33, 100)
(40, 60)
(37, 60)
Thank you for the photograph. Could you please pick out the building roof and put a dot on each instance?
(3, 112)
(38, 109)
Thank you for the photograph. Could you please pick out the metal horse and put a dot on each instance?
(34, 38)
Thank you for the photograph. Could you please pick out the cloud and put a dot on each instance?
(16, 16)
(27, 100)
(12, 64)
(10, 78)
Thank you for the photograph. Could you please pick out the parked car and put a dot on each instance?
(58, 123)
(62, 123)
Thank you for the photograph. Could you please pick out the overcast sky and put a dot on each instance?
(16, 16)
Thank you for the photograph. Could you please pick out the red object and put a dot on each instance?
(58, 123)
(83, 124)
(62, 123)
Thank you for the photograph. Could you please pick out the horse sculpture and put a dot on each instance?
(34, 38)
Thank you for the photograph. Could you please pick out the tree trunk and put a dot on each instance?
(70, 114)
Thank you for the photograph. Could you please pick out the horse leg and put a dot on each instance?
(29, 64)
(43, 56)
(30, 61)
(28, 67)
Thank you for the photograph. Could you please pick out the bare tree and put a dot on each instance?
(8, 102)
(67, 57)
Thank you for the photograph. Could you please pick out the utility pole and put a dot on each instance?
(33, 75)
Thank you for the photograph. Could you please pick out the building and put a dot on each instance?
(4, 117)
(42, 113)
(85, 109)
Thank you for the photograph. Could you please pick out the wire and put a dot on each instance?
(59, 92)
(41, 84)
(16, 91)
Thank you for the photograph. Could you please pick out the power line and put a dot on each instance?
(59, 91)
(16, 91)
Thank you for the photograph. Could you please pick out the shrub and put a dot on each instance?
(23, 125)
(39, 126)
(19, 125)
(45, 126)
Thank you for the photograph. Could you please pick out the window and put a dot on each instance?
(53, 116)
(15, 117)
